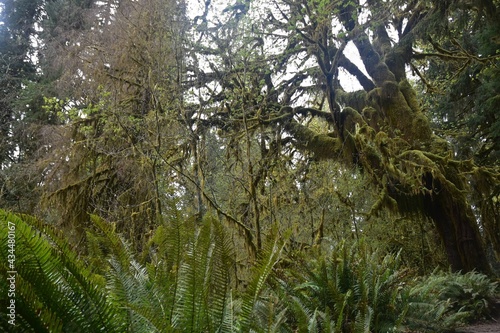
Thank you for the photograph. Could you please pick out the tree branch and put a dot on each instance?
(354, 70)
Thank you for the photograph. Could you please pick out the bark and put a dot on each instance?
(454, 220)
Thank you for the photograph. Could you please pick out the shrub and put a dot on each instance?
(351, 290)
(443, 300)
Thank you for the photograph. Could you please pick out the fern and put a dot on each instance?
(356, 290)
(443, 301)
(269, 257)
(55, 291)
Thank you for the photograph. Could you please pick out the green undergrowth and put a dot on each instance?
(443, 301)
(186, 282)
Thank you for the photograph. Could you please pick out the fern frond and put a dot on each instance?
(269, 257)
(363, 321)
(54, 282)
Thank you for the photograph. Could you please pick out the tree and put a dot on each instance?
(20, 107)
(461, 94)
(276, 65)
(118, 124)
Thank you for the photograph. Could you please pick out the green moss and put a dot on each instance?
(421, 129)
(381, 74)
(409, 95)
(355, 99)
(439, 146)
(322, 145)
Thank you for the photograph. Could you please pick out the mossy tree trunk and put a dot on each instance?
(412, 166)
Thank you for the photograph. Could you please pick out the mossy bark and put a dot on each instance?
(453, 218)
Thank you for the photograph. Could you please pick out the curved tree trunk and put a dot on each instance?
(459, 231)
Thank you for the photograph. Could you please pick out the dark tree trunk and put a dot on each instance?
(459, 231)
(452, 216)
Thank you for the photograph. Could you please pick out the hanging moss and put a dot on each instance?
(374, 118)
(383, 201)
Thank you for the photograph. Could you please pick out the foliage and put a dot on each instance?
(187, 286)
(351, 289)
(444, 300)
(462, 90)
(414, 238)
(54, 290)
(21, 98)
(156, 121)
(186, 283)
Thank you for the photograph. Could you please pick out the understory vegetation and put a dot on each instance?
(186, 282)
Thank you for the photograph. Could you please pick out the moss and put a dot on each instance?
(369, 113)
(322, 145)
(395, 60)
(367, 131)
(355, 99)
(384, 200)
(400, 118)
(421, 129)
(381, 74)
(409, 95)
(371, 158)
(351, 117)
(439, 146)
(373, 118)
(382, 139)
(389, 91)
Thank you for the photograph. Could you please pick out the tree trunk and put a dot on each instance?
(459, 232)
(453, 218)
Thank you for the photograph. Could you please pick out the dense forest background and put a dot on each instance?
(258, 165)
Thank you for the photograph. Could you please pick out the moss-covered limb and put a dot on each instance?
(382, 43)
(399, 110)
(355, 99)
(285, 113)
(322, 145)
(410, 95)
(384, 201)
(417, 163)
(398, 57)
(372, 61)
(462, 167)
(314, 112)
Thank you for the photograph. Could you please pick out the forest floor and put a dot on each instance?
(489, 326)
(485, 327)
